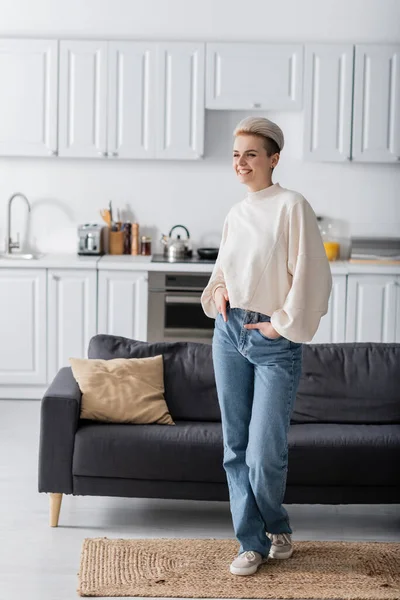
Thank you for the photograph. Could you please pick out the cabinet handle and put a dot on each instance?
(53, 152)
(102, 153)
(115, 153)
(256, 105)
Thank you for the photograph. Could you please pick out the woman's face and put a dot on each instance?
(250, 161)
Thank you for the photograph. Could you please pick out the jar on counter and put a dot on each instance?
(329, 237)
(145, 245)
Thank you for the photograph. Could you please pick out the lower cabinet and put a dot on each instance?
(373, 308)
(48, 315)
(332, 327)
(23, 326)
(71, 315)
(122, 303)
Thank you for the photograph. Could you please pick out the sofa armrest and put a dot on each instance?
(59, 418)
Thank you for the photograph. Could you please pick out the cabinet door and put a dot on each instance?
(23, 326)
(83, 99)
(371, 308)
(180, 100)
(122, 303)
(376, 134)
(131, 99)
(28, 98)
(328, 86)
(72, 308)
(397, 337)
(333, 325)
(243, 76)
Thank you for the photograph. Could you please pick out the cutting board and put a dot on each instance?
(374, 261)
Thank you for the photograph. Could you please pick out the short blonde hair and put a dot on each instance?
(270, 132)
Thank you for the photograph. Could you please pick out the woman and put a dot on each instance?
(269, 288)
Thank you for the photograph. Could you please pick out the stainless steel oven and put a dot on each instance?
(175, 312)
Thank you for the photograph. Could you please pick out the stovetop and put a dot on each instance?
(194, 259)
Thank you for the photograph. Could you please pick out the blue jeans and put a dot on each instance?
(256, 379)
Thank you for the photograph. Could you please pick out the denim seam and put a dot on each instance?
(286, 425)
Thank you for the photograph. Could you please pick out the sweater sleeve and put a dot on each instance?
(216, 280)
(308, 265)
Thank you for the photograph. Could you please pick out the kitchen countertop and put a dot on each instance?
(143, 263)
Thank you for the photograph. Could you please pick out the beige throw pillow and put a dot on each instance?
(122, 390)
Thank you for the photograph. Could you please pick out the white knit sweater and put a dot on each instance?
(272, 260)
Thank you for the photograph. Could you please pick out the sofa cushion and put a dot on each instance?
(122, 390)
(340, 383)
(346, 454)
(349, 383)
(319, 454)
(189, 451)
(189, 381)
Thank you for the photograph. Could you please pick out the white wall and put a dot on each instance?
(159, 194)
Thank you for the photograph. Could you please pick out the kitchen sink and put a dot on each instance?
(18, 256)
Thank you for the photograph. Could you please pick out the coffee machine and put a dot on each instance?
(91, 239)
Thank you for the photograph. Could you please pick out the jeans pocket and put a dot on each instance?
(269, 338)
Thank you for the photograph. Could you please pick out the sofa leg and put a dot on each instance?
(55, 505)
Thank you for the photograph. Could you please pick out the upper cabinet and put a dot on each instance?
(180, 110)
(131, 99)
(243, 76)
(352, 103)
(376, 128)
(137, 99)
(83, 98)
(28, 97)
(328, 83)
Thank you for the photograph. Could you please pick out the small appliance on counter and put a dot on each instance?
(91, 239)
(176, 248)
(375, 250)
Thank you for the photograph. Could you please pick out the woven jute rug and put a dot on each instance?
(199, 568)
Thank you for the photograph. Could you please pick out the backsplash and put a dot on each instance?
(159, 194)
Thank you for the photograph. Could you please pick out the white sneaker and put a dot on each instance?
(247, 563)
(282, 546)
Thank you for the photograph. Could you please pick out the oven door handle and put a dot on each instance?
(181, 299)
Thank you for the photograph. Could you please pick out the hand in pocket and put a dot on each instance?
(265, 328)
(221, 298)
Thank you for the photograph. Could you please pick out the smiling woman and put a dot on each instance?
(271, 284)
(256, 151)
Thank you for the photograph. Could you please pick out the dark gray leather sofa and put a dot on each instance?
(344, 439)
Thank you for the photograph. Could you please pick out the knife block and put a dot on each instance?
(116, 242)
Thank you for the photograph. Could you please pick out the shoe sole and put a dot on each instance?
(246, 570)
(281, 555)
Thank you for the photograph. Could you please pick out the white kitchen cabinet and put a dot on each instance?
(376, 128)
(23, 326)
(328, 88)
(132, 99)
(372, 303)
(397, 337)
(83, 99)
(28, 97)
(332, 328)
(243, 76)
(72, 315)
(180, 100)
(122, 303)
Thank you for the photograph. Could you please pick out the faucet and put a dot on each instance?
(10, 244)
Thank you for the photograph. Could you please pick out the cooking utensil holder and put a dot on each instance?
(116, 242)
